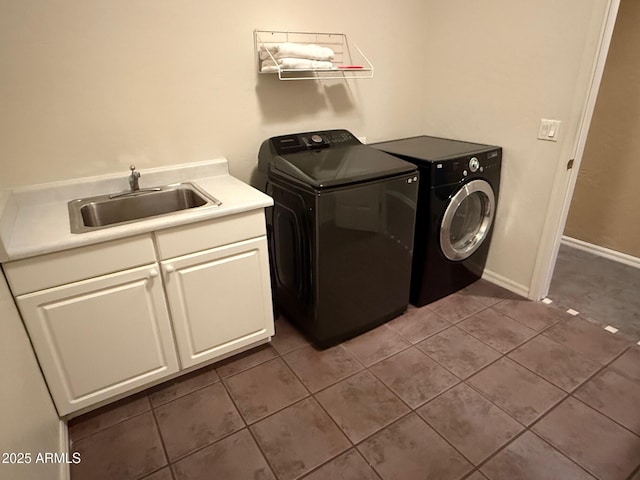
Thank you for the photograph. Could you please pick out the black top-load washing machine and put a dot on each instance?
(340, 232)
(459, 185)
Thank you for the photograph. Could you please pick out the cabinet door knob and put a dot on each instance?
(169, 269)
(153, 273)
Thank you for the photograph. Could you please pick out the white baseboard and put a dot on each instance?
(602, 251)
(506, 283)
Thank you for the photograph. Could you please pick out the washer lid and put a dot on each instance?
(431, 148)
(336, 166)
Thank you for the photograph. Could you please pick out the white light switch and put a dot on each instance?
(549, 130)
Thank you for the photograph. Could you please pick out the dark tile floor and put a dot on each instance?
(602, 290)
(479, 385)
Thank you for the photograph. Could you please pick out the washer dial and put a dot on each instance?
(474, 164)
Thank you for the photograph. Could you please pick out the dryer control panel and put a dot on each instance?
(466, 167)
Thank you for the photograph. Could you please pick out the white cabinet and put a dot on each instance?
(102, 322)
(101, 337)
(219, 299)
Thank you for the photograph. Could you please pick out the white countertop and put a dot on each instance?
(35, 220)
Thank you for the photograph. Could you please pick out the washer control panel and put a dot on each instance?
(299, 142)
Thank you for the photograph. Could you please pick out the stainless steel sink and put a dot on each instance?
(89, 214)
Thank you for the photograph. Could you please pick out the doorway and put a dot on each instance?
(598, 266)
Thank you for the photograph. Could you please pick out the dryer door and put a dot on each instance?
(467, 220)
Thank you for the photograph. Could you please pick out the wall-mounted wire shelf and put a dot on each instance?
(347, 62)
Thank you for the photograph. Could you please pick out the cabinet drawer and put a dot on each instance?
(185, 239)
(50, 270)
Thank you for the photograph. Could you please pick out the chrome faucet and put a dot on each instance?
(134, 187)
(133, 179)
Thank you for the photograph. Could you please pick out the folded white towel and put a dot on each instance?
(270, 69)
(296, 50)
(269, 65)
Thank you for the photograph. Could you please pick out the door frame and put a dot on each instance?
(564, 186)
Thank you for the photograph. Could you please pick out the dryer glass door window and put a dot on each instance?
(467, 220)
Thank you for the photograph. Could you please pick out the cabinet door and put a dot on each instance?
(101, 337)
(220, 300)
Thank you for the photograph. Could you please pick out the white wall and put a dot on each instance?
(29, 422)
(495, 68)
(91, 87)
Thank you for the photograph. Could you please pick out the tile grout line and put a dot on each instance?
(475, 467)
(240, 412)
(538, 334)
(310, 395)
(633, 473)
(171, 462)
(566, 396)
(406, 347)
(247, 426)
(221, 380)
(108, 427)
(552, 445)
(604, 415)
(197, 389)
(259, 447)
(354, 445)
(527, 428)
(321, 406)
(353, 448)
(202, 447)
(603, 368)
(349, 375)
(247, 354)
(464, 317)
(164, 447)
(541, 333)
(400, 418)
(411, 409)
(591, 319)
(367, 368)
(224, 437)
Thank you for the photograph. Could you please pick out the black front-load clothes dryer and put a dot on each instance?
(340, 232)
(457, 200)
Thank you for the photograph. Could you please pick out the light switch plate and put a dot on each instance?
(549, 130)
